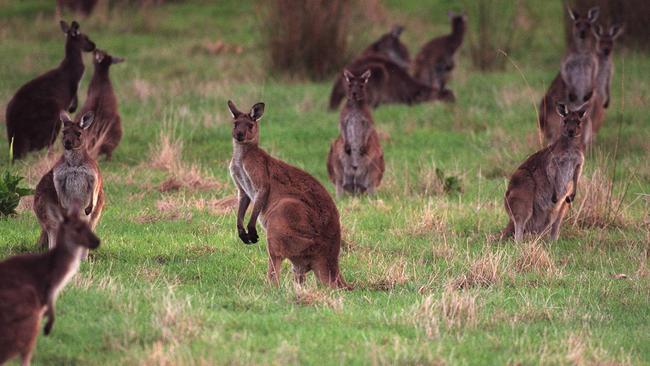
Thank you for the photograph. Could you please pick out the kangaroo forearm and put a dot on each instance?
(260, 201)
(244, 201)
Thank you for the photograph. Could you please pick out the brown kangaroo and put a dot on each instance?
(604, 49)
(435, 61)
(30, 284)
(389, 83)
(542, 188)
(106, 132)
(356, 161)
(390, 46)
(575, 82)
(299, 216)
(75, 180)
(32, 114)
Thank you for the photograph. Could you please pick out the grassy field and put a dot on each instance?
(173, 284)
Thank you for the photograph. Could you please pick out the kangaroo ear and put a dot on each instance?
(561, 109)
(365, 76)
(64, 26)
(573, 14)
(597, 30)
(347, 75)
(593, 13)
(257, 111)
(74, 25)
(117, 60)
(64, 117)
(582, 112)
(397, 31)
(234, 112)
(615, 31)
(87, 120)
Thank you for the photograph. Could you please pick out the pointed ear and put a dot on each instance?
(347, 75)
(117, 60)
(64, 26)
(615, 31)
(597, 31)
(397, 31)
(74, 25)
(64, 117)
(87, 120)
(593, 13)
(573, 14)
(561, 109)
(234, 112)
(583, 110)
(365, 76)
(257, 111)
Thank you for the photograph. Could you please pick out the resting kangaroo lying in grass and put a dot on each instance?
(356, 161)
(299, 216)
(30, 283)
(542, 188)
(74, 180)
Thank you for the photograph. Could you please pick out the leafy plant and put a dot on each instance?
(451, 184)
(10, 193)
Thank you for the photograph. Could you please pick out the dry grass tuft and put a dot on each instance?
(533, 257)
(174, 207)
(430, 221)
(596, 205)
(315, 297)
(142, 89)
(166, 155)
(453, 310)
(393, 275)
(33, 172)
(581, 352)
(176, 319)
(483, 272)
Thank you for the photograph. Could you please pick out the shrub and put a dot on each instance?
(10, 193)
(307, 37)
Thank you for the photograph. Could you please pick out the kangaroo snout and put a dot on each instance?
(67, 144)
(239, 136)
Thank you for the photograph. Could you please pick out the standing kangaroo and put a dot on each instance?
(32, 114)
(576, 80)
(356, 161)
(74, 180)
(604, 49)
(299, 216)
(30, 284)
(106, 132)
(435, 61)
(542, 188)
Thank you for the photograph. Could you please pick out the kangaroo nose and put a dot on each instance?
(240, 136)
(67, 145)
(355, 167)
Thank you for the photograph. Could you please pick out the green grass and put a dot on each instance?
(176, 286)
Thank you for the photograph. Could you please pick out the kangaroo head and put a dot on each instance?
(75, 37)
(246, 125)
(458, 21)
(572, 119)
(73, 132)
(355, 86)
(103, 59)
(605, 39)
(582, 25)
(73, 232)
(390, 46)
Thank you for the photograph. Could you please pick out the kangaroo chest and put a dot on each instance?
(564, 165)
(74, 184)
(242, 179)
(70, 271)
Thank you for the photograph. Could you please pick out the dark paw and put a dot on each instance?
(243, 236)
(252, 235)
(570, 198)
(48, 328)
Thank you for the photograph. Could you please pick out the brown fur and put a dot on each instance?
(390, 46)
(541, 189)
(106, 132)
(82, 184)
(435, 61)
(30, 283)
(604, 51)
(299, 216)
(33, 112)
(356, 161)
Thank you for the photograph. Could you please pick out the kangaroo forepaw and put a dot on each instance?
(570, 198)
(252, 235)
(243, 236)
(48, 326)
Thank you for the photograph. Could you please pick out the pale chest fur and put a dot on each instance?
(563, 167)
(76, 184)
(240, 176)
(604, 74)
(354, 125)
(71, 270)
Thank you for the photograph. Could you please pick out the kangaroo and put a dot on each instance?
(390, 46)
(355, 163)
(83, 7)
(106, 132)
(604, 49)
(32, 113)
(542, 188)
(299, 216)
(435, 61)
(74, 180)
(580, 62)
(388, 84)
(30, 284)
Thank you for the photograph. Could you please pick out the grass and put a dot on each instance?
(172, 283)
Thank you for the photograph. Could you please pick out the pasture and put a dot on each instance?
(172, 283)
